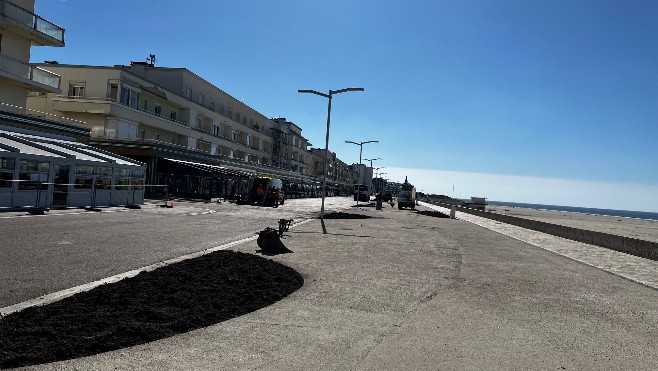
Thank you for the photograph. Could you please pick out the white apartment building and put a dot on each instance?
(141, 102)
(41, 164)
(194, 137)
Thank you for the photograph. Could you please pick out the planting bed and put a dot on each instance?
(150, 306)
(436, 214)
(342, 215)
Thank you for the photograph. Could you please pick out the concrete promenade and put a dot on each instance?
(403, 291)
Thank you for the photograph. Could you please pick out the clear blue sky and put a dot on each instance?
(565, 90)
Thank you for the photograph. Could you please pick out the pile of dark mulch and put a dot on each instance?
(342, 215)
(436, 214)
(150, 306)
(365, 205)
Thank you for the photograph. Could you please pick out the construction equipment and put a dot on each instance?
(269, 241)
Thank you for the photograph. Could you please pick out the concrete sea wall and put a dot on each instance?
(628, 245)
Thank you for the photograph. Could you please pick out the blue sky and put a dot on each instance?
(561, 90)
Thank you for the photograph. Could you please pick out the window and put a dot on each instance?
(157, 110)
(145, 105)
(230, 113)
(188, 93)
(234, 135)
(113, 91)
(231, 153)
(172, 115)
(7, 163)
(6, 172)
(215, 130)
(212, 104)
(32, 173)
(129, 97)
(244, 120)
(237, 117)
(248, 142)
(246, 157)
(77, 90)
(221, 108)
(201, 99)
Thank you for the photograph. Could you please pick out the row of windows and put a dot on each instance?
(222, 109)
(34, 172)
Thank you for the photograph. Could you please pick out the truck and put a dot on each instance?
(361, 193)
(407, 196)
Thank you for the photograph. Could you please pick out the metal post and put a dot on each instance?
(324, 174)
(358, 195)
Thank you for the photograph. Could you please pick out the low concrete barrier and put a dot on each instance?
(628, 245)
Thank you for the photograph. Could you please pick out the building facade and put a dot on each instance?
(290, 148)
(172, 120)
(42, 164)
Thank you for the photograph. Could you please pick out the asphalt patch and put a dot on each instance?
(152, 305)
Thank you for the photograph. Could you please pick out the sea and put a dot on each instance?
(584, 210)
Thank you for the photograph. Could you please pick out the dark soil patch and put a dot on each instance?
(365, 205)
(436, 214)
(342, 215)
(152, 305)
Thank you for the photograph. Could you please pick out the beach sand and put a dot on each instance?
(628, 227)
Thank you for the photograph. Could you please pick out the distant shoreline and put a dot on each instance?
(642, 215)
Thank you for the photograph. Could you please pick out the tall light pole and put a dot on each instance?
(381, 182)
(373, 169)
(360, 144)
(326, 145)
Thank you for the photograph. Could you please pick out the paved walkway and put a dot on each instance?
(634, 268)
(407, 291)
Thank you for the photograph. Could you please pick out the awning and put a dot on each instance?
(214, 169)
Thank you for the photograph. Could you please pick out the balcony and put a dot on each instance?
(31, 77)
(39, 30)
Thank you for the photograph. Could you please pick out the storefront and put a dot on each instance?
(48, 171)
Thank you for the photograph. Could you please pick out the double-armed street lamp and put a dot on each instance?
(360, 144)
(372, 159)
(326, 146)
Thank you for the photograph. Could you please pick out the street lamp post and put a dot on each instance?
(326, 146)
(360, 144)
(371, 160)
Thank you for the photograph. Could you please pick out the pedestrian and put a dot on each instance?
(259, 194)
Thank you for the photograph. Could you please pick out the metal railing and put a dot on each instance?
(31, 20)
(25, 70)
(38, 114)
(112, 100)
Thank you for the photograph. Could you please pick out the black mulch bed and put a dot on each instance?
(152, 305)
(342, 215)
(436, 214)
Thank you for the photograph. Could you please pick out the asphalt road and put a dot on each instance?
(67, 248)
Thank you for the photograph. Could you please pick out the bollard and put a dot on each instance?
(452, 212)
